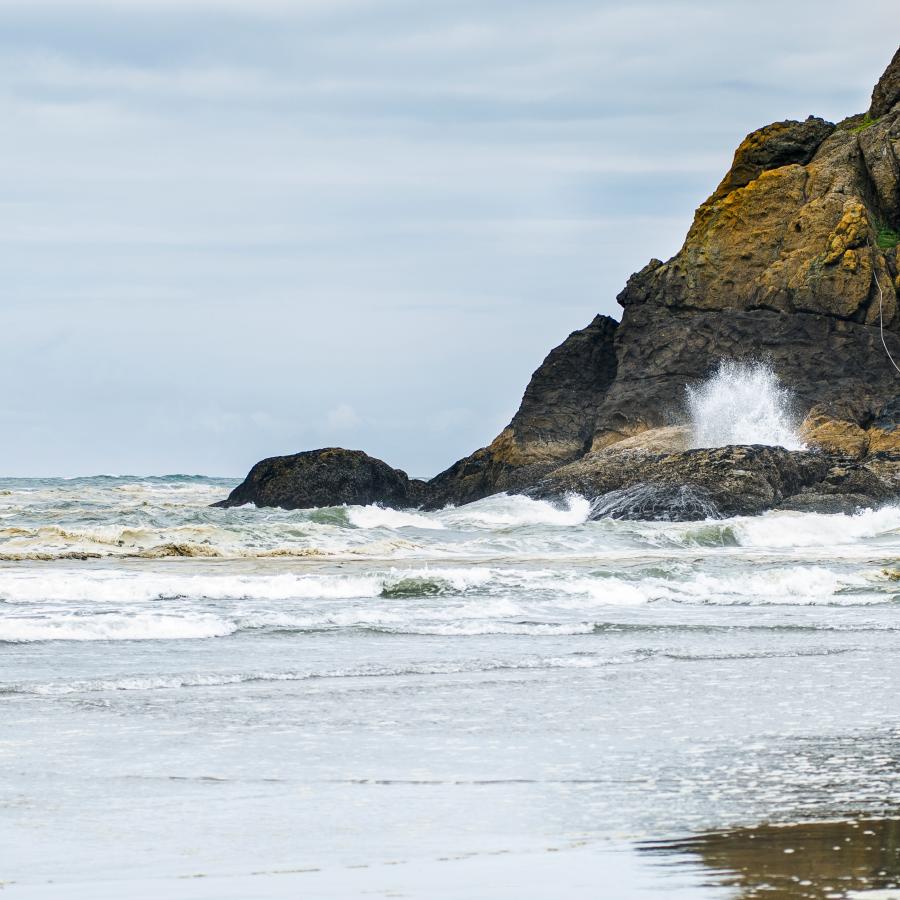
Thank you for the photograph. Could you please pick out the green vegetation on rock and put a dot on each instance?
(867, 122)
(887, 238)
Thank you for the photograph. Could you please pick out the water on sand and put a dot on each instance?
(341, 701)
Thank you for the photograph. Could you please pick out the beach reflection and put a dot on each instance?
(795, 862)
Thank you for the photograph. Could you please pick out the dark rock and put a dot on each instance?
(554, 423)
(775, 145)
(736, 480)
(887, 92)
(328, 477)
(715, 482)
(837, 366)
(886, 466)
(830, 504)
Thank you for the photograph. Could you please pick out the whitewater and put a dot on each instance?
(354, 700)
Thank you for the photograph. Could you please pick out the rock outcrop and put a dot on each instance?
(886, 94)
(629, 483)
(554, 424)
(327, 477)
(792, 260)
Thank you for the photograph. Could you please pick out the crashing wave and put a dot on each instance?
(743, 403)
(656, 502)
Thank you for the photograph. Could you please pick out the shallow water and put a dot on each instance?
(362, 700)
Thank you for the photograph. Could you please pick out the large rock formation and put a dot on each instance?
(327, 477)
(793, 259)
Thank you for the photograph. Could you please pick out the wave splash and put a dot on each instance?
(743, 403)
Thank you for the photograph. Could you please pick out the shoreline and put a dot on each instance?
(854, 858)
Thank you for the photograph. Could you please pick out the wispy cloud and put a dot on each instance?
(342, 417)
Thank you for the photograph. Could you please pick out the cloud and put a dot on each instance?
(342, 417)
(266, 210)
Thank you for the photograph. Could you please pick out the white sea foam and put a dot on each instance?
(790, 529)
(118, 586)
(511, 511)
(798, 585)
(375, 516)
(224, 679)
(113, 627)
(473, 629)
(485, 592)
(476, 602)
(600, 591)
(743, 403)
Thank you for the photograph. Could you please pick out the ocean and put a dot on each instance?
(505, 699)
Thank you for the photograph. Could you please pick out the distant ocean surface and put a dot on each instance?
(499, 700)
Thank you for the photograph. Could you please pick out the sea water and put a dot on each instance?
(496, 700)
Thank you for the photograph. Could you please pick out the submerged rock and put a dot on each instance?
(328, 477)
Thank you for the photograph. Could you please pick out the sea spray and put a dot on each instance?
(743, 403)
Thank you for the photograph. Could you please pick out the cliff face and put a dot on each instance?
(555, 422)
(792, 259)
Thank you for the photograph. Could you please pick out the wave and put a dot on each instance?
(743, 403)
(788, 530)
(113, 627)
(117, 586)
(466, 602)
(479, 629)
(656, 501)
(202, 680)
(515, 510)
(375, 516)
(488, 591)
(778, 530)
(759, 654)
(503, 526)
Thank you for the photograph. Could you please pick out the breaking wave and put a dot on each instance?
(507, 566)
(468, 601)
(113, 627)
(222, 679)
(659, 502)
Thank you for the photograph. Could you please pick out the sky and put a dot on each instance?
(232, 230)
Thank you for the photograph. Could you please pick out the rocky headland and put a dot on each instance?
(793, 260)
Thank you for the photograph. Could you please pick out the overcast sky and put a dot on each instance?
(237, 229)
